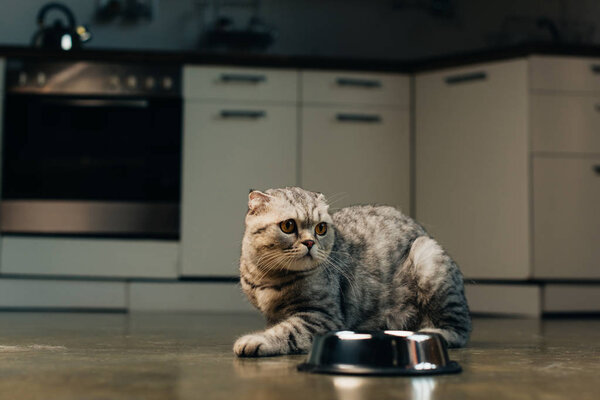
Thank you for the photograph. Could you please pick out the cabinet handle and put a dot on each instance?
(473, 76)
(246, 78)
(358, 117)
(595, 68)
(254, 114)
(597, 169)
(365, 83)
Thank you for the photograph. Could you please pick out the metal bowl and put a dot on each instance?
(379, 353)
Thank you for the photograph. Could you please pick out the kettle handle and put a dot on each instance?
(56, 6)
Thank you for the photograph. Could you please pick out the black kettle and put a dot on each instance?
(57, 36)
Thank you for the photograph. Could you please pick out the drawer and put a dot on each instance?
(239, 84)
(355, 88)
(565, 123)
(566, 194)
(565, 73)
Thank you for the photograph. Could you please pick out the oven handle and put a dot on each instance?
(99, 103)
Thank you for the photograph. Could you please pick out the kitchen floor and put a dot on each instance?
(162, 356)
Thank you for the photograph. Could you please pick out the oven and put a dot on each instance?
(91, 149)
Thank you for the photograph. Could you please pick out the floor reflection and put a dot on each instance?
(423, 388)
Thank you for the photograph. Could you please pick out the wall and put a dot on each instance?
(351, 28)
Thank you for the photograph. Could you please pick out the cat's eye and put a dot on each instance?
(288, 226)
(321, 228)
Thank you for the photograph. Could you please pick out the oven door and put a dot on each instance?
(91, 165)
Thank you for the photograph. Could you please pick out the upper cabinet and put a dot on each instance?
(472, 163)
(231, 145)
(355, 141)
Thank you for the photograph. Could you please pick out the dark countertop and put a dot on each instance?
(308, 62)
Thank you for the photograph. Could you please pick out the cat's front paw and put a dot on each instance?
(254, 345)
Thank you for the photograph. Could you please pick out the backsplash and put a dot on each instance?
(396, 29)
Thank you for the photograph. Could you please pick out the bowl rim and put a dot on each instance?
(452, 367)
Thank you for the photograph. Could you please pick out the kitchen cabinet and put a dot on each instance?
(566, 228)
(508, 165)
(472, 166)
(567, 123)
(358, 88)
(355, 141)
(229, 148)
(363, 159)
(224, 83)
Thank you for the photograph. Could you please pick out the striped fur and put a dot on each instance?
(375, 268)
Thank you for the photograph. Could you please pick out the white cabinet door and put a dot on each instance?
(472, 166)
(566, 194)
(357, 155)
(229, 149)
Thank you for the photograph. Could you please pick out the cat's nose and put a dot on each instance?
(309, 243)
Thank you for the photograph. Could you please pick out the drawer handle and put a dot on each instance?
(246, 78)
(595, 68)
(597, 169)
(371, 118)
(243, 114)
(364, 83)
(473, 76)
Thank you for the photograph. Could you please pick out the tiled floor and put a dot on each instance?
(145, 356)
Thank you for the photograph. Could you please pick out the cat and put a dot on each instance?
(361, 268)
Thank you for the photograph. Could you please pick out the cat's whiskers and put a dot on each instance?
(267, 263)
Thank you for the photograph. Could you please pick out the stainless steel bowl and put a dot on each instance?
(379, 353)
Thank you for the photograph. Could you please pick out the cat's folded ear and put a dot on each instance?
(257, 202)
(319, 196)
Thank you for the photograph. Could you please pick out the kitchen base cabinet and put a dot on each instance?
(472, 166)
(229, 148)
(507, 179)
(566, 193)
(357, 155)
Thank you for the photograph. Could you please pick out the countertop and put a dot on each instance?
(178, 356)
(309, 62)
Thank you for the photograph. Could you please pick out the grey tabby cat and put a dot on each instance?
(360, 268)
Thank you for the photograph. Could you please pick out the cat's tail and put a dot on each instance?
(441, 297)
